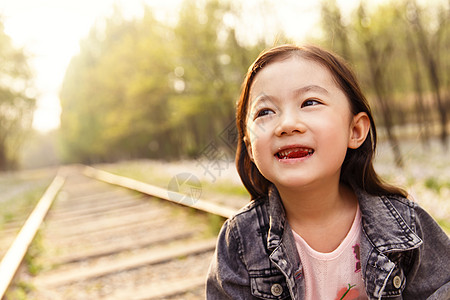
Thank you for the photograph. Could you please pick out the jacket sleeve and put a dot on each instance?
(228, 277)
(429, 277)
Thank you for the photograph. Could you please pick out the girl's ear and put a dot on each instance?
(359, 130)
(248, 145)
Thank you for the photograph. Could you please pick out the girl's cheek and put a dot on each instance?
(253, 138)
(255, 132)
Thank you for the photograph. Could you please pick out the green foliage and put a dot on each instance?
(19, 291)
(114, 92)
(214, 64)
(335, 31)
(435, 184)
(16, 104)
(141, 89)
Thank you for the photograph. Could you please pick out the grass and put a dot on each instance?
(31, 258)
(160, 174)
(227, 188)
(215, 223)
(445, 225)
(436, 184)
(20, 291)
(426, 176)
(20, 193)
(18, 207)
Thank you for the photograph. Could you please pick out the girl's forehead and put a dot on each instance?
(292, 72)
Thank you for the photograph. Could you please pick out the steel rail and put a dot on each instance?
(148, 189)
(16, 252)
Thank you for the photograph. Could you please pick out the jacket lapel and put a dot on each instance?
(384, 226)
(281, 244)
(384, 231)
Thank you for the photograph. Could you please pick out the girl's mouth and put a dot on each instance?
(293, 153)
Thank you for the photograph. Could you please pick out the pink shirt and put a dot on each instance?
(335, 275)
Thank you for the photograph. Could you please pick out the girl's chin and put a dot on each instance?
(292, 183)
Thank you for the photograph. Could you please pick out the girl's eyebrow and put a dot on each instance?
(261, 98)
(308, 88)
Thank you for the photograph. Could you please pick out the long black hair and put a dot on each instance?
(357, 169)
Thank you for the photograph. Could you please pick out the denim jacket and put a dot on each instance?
(404, 253)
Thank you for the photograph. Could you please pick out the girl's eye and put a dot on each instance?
(263, 112)
(310, 102)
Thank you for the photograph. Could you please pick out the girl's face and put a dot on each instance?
(299, 124)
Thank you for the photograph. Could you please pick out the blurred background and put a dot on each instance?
(143, 87)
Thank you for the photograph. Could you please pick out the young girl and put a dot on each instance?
(321, 223)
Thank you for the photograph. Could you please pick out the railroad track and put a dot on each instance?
(102, 241)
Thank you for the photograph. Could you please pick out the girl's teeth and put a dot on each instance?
(294, 153)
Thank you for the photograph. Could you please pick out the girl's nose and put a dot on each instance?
(289, 123)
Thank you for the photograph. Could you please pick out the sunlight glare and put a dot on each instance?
(50, 32)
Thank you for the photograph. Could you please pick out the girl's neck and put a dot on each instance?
(321, 216)
(316, 203)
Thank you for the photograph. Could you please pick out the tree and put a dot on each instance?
(379, 47)
(115, 92)
(16, 101)
(214, 62)
(422, 110)
(429, 45)
(398, 50)
(336, 32)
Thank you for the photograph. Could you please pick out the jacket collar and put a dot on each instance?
(277, 218)
(281, 244)
(384, 226)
